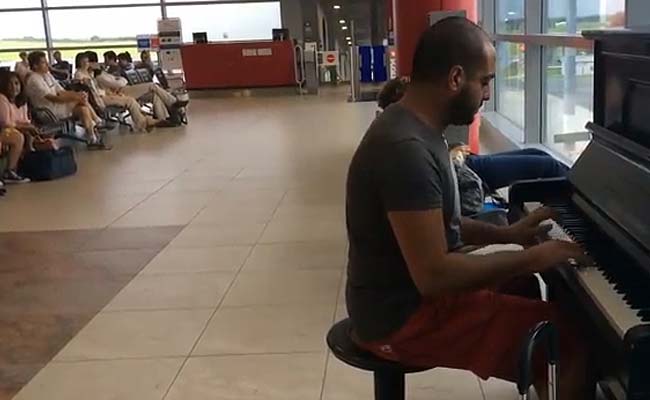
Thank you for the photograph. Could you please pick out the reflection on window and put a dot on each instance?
(569, 76)
(510, 82)
(21, 30)
(102, 26)
(510, 16)
(229, 22)
(574, 16)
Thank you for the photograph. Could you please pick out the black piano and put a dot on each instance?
(604, 205)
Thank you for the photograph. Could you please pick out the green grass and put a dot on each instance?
(67, 54)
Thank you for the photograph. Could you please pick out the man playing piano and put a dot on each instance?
(410, 297)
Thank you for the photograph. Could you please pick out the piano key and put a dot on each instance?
(601, 287)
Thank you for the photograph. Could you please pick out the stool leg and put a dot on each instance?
(389, 385)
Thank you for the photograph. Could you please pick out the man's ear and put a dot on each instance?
(456, 78)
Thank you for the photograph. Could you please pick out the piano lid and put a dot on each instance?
(612, 175)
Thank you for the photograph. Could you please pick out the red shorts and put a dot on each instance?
(480, 331)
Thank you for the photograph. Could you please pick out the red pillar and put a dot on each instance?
(410, 21)
(470, 7)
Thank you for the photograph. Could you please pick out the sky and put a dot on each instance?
(238, 21)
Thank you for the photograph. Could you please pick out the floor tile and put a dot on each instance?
(185, 184)
(200, 290)
(45, 241)
(256, 377)
(132, 238)
(137, 334)
(218, 235)
(298, 229)
(343, 382)
(297, 255)
(266, 329)
(284, 287)
(174, 260)
(103, 380)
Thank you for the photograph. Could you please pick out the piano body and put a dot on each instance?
(604, 204)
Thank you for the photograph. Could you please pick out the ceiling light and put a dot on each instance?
(337, 7)
(512, 13)
(348, 38)
(341, 21)
(345, 28)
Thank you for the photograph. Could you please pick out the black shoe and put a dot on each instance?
(11, 176)
(166, 123)
(180, 103)
(99, 146)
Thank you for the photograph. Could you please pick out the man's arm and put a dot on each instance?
(111, 82)
(524, 232)
(66, 97)
(475, 232)
(436, 272)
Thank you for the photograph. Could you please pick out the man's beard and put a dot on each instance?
(462, 109)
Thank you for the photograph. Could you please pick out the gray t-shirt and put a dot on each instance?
(402, 164)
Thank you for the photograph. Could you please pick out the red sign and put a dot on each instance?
(331, 58)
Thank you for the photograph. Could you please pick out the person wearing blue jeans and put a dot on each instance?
(495, 170)
(502, 169)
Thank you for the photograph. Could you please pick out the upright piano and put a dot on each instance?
(604, 205)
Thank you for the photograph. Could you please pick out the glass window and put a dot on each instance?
(9, 4)
(102, 26)
(21, 30)
(569, 77)
(510, 16)
(229, 22)
(62, 3)
(510, 80)
(573, 16)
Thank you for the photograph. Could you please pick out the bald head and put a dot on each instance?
(453, 41)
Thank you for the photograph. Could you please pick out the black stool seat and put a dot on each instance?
(339, 340)
(389, 376)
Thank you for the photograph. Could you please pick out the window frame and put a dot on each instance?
(536, 41)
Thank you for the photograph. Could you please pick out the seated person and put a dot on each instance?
(15, 141)
(496, 170)
(44, 91)
(22, 66)
(110, 63)
(123, 60)
(13, 113)
(410, 297)
(86, 65)
(146, 63)
(61, 69)
(163, 101)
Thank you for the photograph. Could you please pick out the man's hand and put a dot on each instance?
(528, 230)
(553, 252)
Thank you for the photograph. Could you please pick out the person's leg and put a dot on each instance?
(137, 91)
(139, 120)
(160, 110)
(83, 114)
(483, 332)
(523, 152)
(15, 141)
(501, 170)
(164, 95)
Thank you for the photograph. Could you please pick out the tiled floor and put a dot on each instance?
(237, 305)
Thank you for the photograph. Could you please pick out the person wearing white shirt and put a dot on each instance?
(44, 91)
(86, 64)
(162, 100)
